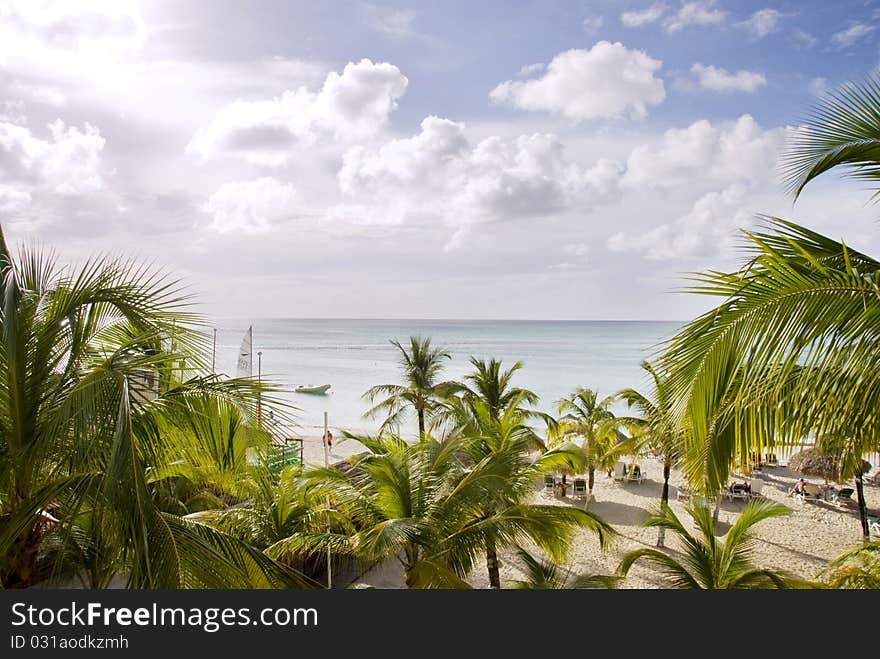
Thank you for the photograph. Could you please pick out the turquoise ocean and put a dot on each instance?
(354, 354)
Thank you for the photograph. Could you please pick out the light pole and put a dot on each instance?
(214, 354)
(259, 392)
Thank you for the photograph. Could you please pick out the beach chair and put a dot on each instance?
(811, 493)
(636, 475)
(619, 473)
(737, 491)
(770, 460)
(843, 496)
(580, 488)
(549, 485)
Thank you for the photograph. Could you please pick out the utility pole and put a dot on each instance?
(327, 464)
(259, 392)
(214, 354)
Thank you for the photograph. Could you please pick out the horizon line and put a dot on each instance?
(513, 320)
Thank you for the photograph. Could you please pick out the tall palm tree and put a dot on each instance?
(88, 383)
(585, 416)
(507, 440)
(421, 390)
(710, 562)
(655, 428)
(843, 131)
(424, 505)
(490, 384)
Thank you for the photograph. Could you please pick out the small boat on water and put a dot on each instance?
(312, 389)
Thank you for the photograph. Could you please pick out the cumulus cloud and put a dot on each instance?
(708, 229)
(350, 106)
(439, 175)
(737, 152)
(854, 33)
(609, 80)
(67, 163)
(761, 23)
(577, 249)
(637, 18)
(695, 13)
(249, 206)
(721, 80)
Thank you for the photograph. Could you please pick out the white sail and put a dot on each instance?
(246, 355)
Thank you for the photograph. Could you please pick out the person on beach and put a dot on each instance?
(799, 488)
(329, 439)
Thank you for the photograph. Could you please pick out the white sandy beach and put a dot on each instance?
(801, 543)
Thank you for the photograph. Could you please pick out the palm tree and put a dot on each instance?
(655, 428)
(843, 131)
(545, 574)
(89, 381)
(584, 415)
(790, 354)
(422, 365)
(857, 567)
(507, 440)
(492, 386)
(710, 562)
(424, 505)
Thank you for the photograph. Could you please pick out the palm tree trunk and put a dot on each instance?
(863, 508)
(421, 413)
(18, 570)
(715, 514)
(591, 478)
(664, 498)
(492, 564)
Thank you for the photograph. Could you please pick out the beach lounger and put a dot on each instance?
(770, 460)
(549, 485)
(580, 488)
(843, 496)
(636, 475)
(683, 492)
(737, 491)
(811, 493)
(619, 473)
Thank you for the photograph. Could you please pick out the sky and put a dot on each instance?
(530, 160)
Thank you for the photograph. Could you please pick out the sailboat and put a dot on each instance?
(245, 367)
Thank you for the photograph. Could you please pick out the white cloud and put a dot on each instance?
(439, 176)
(707, 230)
(609, 80)
(68, 163)
(635, 18)
(394, 22)
(695, 12)
(249, 206)
(762, 22)
(725, 153)
(577, 249)
(852, 34)
(593, 24)
(350, 106)
(529, 69)
(804, 38)
(12, 198)
(721, 80)
(72, 40)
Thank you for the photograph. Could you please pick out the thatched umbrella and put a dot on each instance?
(812, 462)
